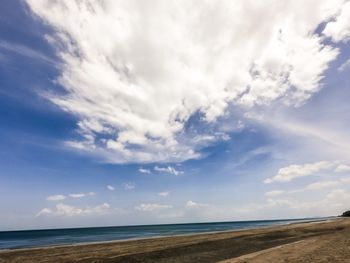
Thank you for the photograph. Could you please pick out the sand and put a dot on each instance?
(305, 242)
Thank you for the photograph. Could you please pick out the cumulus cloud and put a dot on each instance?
(111, 188)
(135, 72)
(163, 194)
(152, 207)
(68, 210)
(168, 169)
(291, 172)
(55, 198)
(339, 29)
(144, 171)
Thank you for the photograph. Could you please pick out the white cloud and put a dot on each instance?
(68, 210)
(100, 209)
(144, 171)
(44, 211)
(342, 168)
(139, 86)
(168, 169)
(274, 193)
(316, 136)
(164, 194)
(338, 197)
(333, 203)
(344, 66)
(322, 185)
(55, 198)
(294, 171)
(191, 204)
(111, 188)
(339, 29)
(217, 136)
(74, 195)
(129, 186)
(77, 195)
(152, 207)
(26, 51)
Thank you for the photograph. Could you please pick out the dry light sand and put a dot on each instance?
(305, 242)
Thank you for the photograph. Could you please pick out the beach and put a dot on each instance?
(326, 241)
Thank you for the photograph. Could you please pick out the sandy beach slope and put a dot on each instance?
(305, 242)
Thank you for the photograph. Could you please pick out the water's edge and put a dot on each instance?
(77, 236)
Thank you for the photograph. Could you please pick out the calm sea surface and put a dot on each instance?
(50, 237)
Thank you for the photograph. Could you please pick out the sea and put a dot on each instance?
(54, 237)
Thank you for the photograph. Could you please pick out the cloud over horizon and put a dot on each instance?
(69, 210)
(291, 172)
(172, 111)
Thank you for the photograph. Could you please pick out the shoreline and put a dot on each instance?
(169, 224)
(296, 221)
(176, 248)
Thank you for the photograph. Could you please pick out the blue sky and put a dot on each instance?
(116, 113)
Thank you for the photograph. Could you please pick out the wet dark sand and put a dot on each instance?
(305, 242)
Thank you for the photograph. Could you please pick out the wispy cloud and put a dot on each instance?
(152, 207)
(129, 186)
(316, 186)
(291, 172)
(77, 195)
(26, 51)
(111, 188)
(191, 204)
(56, 197)
(322, 185)
(145, 171)
(73, 195)
(344, 66)
(342, 168)
(68, 210)
(274, 193)
(44, 211)
(163, 194)
(168, 169)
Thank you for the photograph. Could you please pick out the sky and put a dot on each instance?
(145, 112)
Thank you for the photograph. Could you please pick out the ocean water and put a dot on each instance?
(51, 237)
